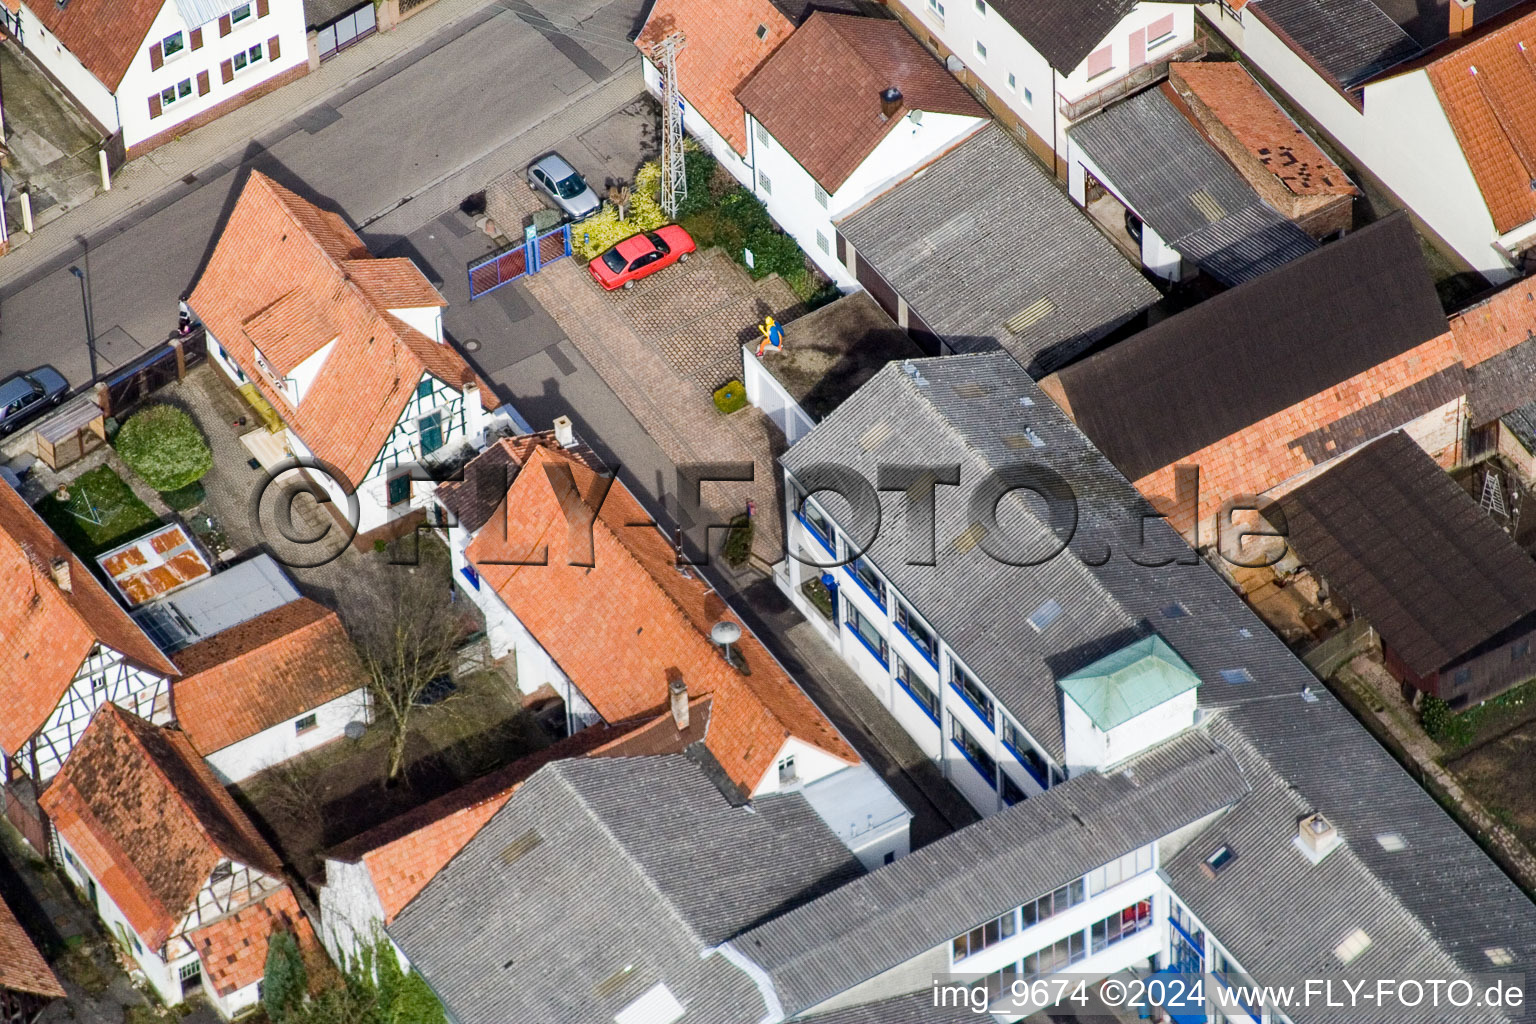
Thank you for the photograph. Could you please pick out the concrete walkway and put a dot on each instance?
(157, 174)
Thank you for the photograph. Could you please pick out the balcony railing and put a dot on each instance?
(1135, 81)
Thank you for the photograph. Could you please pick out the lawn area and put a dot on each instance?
(100, 513)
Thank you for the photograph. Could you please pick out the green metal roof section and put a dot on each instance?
(1134, 679)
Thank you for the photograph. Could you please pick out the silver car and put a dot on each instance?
(559, 181)
(24, 395)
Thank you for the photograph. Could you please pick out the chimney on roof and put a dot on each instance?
(890, 101)
(474, 412)
(1316, 837)
(565, 432)
(1461, 16)
(677, 690)
(60, 569)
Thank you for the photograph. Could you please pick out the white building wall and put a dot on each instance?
(426, 319)
(702, 132)
(281, 742)
(1157, 255)
(765, 392)
(1088, 748)
(811, 763)
(86, 89)
(1401, 137)
(790, 193)
(161, 976)
(350, 910)
(285, 20)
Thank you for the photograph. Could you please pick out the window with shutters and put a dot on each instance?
(245, 58)
(180, 91)
(173, 44)
(1101, 61)
(239, 14)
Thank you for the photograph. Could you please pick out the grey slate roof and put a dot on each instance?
(923, 900)
(1412, 552)
(1064, 32)
(1522, 423)
(1503, 382)
(600, 878)
(972, 409)
(983, 235)
(1160, 164)
(916, 1008)
(1149, 401)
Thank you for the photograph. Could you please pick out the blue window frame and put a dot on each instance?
(818, 525)
(868, 580)
(971, 692)
(919, 635)
(868, 635)
(1019, 746)
(974, 752)
(921, 693)
(471, 575)
(1012, 793)
(431, 428)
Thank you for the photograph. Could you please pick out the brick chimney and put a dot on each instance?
(677, 690)
(1461, 16)
(890, 102)
(60, 569)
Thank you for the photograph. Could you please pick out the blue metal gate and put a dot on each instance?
(527, 257)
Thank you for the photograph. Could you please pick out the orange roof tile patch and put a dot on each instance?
(155, 564)
(1497, 324)
(1487, 89)
(22, 967)
(140, 807)
(1262, 127)
(276, 244)
(48, 633)
(262, 673)
(104, 35)
(625, 627)
(233, 949)
(726, 43)
(819, 93)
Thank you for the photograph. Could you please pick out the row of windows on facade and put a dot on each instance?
(1141, 42)
(1070, 949)
(1079, 890)
(176, 43)
(921, 637)
(243, 59)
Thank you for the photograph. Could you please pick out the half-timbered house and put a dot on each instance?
(68, 648)
(342, 354)
(27, 983)
(174, 868)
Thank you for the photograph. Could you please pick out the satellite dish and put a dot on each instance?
(724, 633)
(355, 730)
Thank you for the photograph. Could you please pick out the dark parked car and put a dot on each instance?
(24, 395)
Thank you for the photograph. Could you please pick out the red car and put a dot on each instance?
(640, 255)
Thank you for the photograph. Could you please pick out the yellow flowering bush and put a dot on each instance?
(604, 228)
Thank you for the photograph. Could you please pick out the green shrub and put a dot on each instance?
(738, 543)
(186, 497)
(164, 446)
(699, 170)
(818, 594)
(731, 397)
(1443, 725)
(774, 253)
(286, 981)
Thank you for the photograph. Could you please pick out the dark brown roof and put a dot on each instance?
(1230, 361)
(819, 93)
(104, 35)
(483, 482)
(1411, 551)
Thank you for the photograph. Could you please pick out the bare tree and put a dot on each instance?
(406, 630)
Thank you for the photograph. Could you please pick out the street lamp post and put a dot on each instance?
(90, 327)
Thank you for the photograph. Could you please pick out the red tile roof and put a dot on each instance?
(1254, 119)
(142, 810)
(723, 49)
(405, 853)
(48, 633)
(22, 967)
(1487, 89)
(261, 673)
(276, 245)
(234, 948)
(1497, 324)
(819, 93)
(622, 629)
(104, 35)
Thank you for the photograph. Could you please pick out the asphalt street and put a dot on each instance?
(384, 139)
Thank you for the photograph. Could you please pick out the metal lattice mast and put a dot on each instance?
(674, 182)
